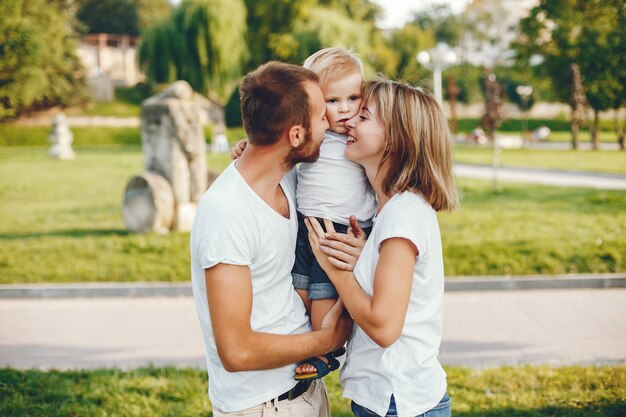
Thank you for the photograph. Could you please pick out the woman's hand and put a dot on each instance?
(238, 149)
(342, 250)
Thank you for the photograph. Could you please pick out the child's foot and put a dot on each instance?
(318, 366)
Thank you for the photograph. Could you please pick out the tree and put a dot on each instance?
(439, 20)
(202, 43)
(109, 16)
(270, 27)
(407, 42)
(582, 32)
(38, 66)
(126, 17)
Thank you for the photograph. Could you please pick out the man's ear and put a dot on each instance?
(296, 135)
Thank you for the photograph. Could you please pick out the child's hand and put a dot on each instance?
(238, 149)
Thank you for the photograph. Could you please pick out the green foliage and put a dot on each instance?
(109, 16)
(439, 20)
(407, 42)
(269, 22)
(290, 31)
(127, 17)
(203, 43)
(232, 110)
(586, 32)
(528, 391)
(39, 67)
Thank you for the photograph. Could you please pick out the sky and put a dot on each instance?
(397, 12)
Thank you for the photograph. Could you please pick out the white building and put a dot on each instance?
(110, 61)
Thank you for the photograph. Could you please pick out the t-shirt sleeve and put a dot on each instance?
(405, 222)
(225, 235)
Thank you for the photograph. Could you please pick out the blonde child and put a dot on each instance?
(331, 188)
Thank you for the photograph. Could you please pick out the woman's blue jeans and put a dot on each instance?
(440, 410)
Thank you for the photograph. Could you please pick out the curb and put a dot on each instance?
(536, 282)
(183, 289)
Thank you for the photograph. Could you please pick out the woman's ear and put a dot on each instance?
(296, 135)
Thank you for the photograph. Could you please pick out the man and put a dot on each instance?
(243, 238)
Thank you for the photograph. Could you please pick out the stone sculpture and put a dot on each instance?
(61, 139)
(174, 148)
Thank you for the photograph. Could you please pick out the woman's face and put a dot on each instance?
(366, 136)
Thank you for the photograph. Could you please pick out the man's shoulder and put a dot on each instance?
(225, 198)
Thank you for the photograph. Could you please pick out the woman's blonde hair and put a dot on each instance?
(418, 154)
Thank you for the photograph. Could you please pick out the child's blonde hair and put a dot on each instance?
(332, 64)
(418, 155)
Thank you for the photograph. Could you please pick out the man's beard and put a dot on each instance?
(308, 151)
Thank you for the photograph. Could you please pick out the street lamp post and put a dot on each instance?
(437, 59)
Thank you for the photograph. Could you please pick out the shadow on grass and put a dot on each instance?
(79, 233)
(609, 409)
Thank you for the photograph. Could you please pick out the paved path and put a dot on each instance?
(543, 176)
(486, 328)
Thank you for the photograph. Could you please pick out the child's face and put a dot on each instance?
(343, 100)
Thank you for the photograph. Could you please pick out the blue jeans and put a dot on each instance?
(307, 274)
(440, 410)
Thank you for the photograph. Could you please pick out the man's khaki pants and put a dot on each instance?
(312, 403)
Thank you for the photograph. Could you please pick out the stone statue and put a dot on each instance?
(61, 138)
(174, 148)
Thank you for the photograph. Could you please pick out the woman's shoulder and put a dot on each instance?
(408, 202)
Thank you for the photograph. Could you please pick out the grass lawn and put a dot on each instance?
(61, 221)
(584, 137)
(596, 161)
(510, 391)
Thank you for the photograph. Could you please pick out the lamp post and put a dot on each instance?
(524, 92)
(437, 59)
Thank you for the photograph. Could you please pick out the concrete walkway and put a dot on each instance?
(543, 176)
(485, 328)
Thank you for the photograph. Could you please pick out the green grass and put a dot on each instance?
(115, 108)
(511, 391)
(14, 135)
(594, 161)
(584, 137)
(61, 221)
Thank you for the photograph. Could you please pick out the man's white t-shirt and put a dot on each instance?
(409, 368)
(334, 187)
(233, 225)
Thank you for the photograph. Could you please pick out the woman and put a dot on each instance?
(395, 292)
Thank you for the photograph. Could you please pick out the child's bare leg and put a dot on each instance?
(319, 309)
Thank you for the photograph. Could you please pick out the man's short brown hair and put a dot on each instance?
(274, 98)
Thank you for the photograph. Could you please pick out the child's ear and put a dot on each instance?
(296, 135)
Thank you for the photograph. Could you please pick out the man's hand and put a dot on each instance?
(339, 324)
(238, 149)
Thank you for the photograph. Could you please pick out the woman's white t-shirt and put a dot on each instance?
(408, 369)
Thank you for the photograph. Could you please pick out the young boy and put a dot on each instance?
(331, 188)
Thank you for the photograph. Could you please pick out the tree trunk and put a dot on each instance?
(595, 132)
(575, 138)
(619, 129)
